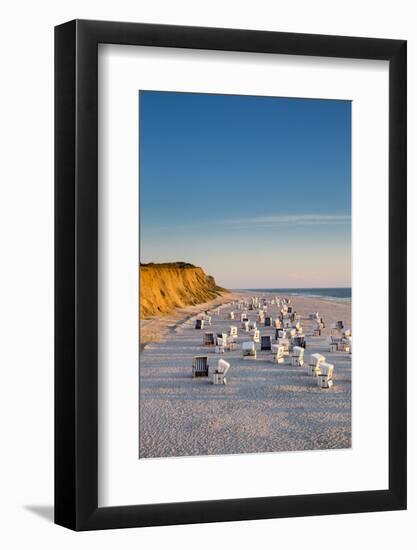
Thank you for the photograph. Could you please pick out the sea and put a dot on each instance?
(339, 294)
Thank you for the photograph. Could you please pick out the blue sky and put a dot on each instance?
(255, 190)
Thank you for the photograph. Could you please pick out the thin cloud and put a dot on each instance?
(291, 219)
(278, 220)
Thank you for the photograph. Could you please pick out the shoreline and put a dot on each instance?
(291, 293)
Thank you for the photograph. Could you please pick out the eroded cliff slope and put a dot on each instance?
(164, 287)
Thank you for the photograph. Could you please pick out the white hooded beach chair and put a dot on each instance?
(343, 345)
(325, 378)
(280, 333)
(231, 343)
(208, 339)
(200, 366)
(256, 335)
(219, 345)
(244, 316)
(349, 342)
(245, 326)
(277, 323)
(316, 359)
(207, 320)
(297, 356)
(219, 375)
(233, 331)
(222, 337)
(298, 327)
(252, 325)
(231, 315)
(334, 342)
(298, 340)
(285, 343)
(291, 331)
(278, 353)
(248, 349)
(316, 328)
(336, 335)
(336, 330)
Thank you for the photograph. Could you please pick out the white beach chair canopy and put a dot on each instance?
(317, 358)
(326, 369)
(223, 366)
(248, 346)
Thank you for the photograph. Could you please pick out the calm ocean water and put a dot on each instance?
(342, 294)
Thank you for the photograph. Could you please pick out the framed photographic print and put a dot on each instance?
(230, 275)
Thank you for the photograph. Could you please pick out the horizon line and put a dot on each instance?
(291, 287)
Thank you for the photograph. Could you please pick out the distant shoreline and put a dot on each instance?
(339, 294)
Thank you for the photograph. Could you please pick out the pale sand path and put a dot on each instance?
(154, 329)
(264, 407)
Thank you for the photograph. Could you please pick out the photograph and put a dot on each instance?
(245, 274)
(207, 233)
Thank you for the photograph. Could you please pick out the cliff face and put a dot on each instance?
(164, 287)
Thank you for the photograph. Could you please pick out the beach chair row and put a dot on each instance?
(317, 366)
(223, 341)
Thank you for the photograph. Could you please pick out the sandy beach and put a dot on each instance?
(265, 407)
(156, 329)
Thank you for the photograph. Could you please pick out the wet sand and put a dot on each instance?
(265, 407)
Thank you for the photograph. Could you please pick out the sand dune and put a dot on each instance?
(164, 287)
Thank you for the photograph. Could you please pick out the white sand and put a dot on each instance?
(264, 407)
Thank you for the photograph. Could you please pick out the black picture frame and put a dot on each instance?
(76, 273)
